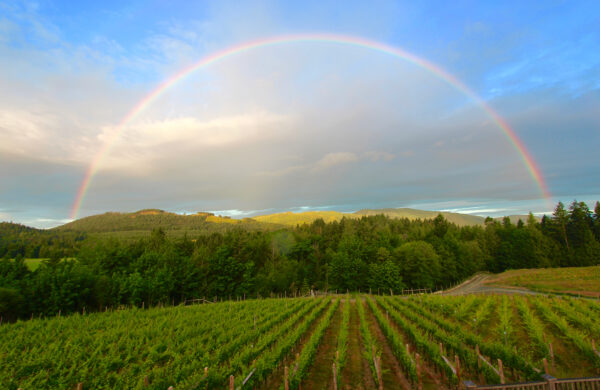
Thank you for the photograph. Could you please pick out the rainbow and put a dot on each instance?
(526, 157)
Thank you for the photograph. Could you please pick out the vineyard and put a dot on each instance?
(330, 342)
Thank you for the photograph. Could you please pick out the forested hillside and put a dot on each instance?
(158, 219)
(374, 252)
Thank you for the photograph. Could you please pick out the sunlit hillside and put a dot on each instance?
(145, 220)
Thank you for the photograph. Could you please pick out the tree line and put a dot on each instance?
(374, 252)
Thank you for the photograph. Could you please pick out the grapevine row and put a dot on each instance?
(310, 348)
(396, 343)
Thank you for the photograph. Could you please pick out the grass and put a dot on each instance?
(292, 219)
(584, 281)
(34, 264)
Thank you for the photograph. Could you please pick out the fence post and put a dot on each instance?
(80, 386)
(285, 379)
(419, 382)
(546, 367)
(231, 383)
(457, 366)
(501, 370)
(379, 376)
(334, 378)
(469, 385)
(146, 381)
(550, 381)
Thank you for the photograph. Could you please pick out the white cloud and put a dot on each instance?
(333, 159)
(377, 155)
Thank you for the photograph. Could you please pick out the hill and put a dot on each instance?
(146, 220)
(583, 281)
(459, 219)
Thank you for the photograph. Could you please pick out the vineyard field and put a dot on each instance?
(374, 342)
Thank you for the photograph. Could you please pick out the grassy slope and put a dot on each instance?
(292, 219)
(575, 280)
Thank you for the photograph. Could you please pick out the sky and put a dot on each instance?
(299, 125)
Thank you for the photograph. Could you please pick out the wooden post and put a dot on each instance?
(80, 386)
(285, 379)
(479, 363)
(205, 372)
(501, 370)
(546, 366)
(419, 382)
(231, 383)
(457, 366)
(550, 380)
(379, 376)
(334, 378)
(146, 381)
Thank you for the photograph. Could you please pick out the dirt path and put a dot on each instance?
(476, 285)
(320, 374)
(356, 374)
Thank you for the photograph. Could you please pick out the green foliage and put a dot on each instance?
(495, 350)
(385, 276)
(309, 349)
(578, 338)
(534, 327)
(342, 341)
(420, 264)
(505, 326)
(396, 342)
(370, 346)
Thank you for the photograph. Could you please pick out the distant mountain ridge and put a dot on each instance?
(148, 219)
